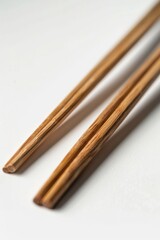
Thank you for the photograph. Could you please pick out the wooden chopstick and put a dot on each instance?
(81, 91)
(104, 133)
(96, 125)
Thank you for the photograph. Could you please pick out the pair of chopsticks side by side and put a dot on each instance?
(92, 140)
(81, 91)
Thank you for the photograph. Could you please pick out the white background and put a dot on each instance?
(46, 47)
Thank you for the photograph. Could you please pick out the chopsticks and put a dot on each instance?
(101, 130)
(81, 91)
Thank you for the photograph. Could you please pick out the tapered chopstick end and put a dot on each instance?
(9, 169)
(47, 204)
(37, 201)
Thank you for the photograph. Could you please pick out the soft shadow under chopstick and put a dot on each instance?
(103, 157)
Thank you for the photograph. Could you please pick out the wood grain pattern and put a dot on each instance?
(104, 133)
(91, 131)
(81, 91)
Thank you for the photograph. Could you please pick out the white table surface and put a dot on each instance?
(46, 47)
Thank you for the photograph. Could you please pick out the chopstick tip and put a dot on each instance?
(47, 204)
(37, 201)
(9, 169)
